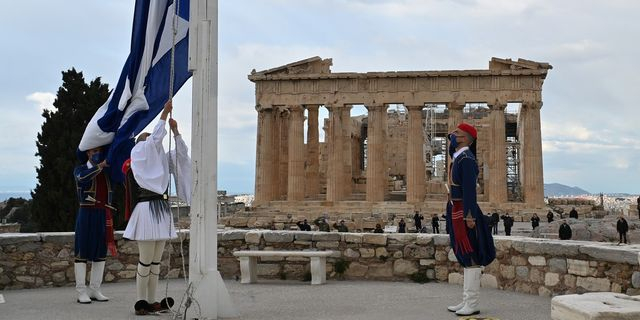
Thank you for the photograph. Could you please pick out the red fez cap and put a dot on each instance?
(468, 129)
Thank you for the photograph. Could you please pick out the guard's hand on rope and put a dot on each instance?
(173, 124)
(168, 107)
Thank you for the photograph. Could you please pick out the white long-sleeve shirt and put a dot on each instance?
(150, 164)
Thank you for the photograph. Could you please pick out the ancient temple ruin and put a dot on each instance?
(393, 158)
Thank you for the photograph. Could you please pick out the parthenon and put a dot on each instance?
(394, 156)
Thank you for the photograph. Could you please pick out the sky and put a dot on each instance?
(589, 118)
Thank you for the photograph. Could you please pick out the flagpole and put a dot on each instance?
(210, 297)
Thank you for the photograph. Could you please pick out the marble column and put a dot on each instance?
(276, 154)
(415, 156)
(347, 174)
(335, 167)
(531, 158)
(312, 174)
(455, 118)
(295, 182)
(497, 180)
(376, 138)
(264, 155)
(283, 169)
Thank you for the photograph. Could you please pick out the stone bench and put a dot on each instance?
(249, 263)
(595, 306)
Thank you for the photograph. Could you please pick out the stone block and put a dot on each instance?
(616, 288)
(522, 272)
(403, 267)
(356, 270)
(570, 281)
(352, 237)
(58, 277)
(238, 222)
(558, 265)
(14, 238)
(551, 279)
(427, 262)
(431, 274)
(489, 281)
(595, 306)
(507, 272)
(398, 255)
(381, 252)
(442, 273)
(277, 236)
(271, 259)
(303, 243)
(268, 269)
(635, 279)
(518, 261)
(602, 252)
(115, 266)
(303, 236)
(377, 239)
(402, 238)
(544, 292)
(253, 237)
(502, 244)
(350, 253)
(537, 260)
(127, 274)
(535, 276)
(438, 239)
(418, 252)
(384, 270)
(58, 237)
(326, 236)
(578, 267)
(367, 252)
(231, 235)
(456, 278)
(327, 244)
(61, 264)
(441, 255)
(593, 284)
(451, 256)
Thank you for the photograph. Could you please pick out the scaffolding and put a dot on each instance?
(434, 144)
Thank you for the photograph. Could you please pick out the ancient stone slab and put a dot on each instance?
(427, 262)
(608, 253)
(303, 236)
(404, 267)
(381, 252)
(535, 276)
(489, 281)
(456, 278)
(595, 306)
(352, 237)
(551, 279)
(231, 235)
(594, 284)
(326, 236)
(558, 265)
(635, 279)
(578, 267)
(442, 273)
(367, 252)
(502, 244)
(356, 270)
(378, 239)
(418, 252)
(507, 272)
(522, 272)
(350, 253)
(438, 239)
(59, 237)
(380, 270)
(277, 236)
(327, 244)
(13, 238)
(398, 255)
(253, 237)
(537, 260)
(402, 238)
(518, 261)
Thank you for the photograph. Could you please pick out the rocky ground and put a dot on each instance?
(602, 230)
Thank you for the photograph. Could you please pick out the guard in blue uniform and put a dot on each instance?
(94, 223)
(470, 236)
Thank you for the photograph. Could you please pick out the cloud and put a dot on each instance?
(44, 100)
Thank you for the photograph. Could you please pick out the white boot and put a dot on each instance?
(472, 292)
(464, 294)
(81, 277)
(142, 281)
(97, 270)
(154, 274)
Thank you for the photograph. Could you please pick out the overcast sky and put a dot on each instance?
(590, 116)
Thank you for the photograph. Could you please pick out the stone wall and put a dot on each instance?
(535, 266)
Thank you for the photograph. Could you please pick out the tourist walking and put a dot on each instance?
(470, 237)
(564, 232)
(94, 223)
(435, 224)
(535, 221)
(507, 221)
(573, 213)
(417, 221)
(622, 226)
(549, 216)
(402, 226)
(151, 222)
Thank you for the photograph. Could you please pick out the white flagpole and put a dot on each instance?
(211, 299)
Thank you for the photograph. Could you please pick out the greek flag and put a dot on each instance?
(143, 86)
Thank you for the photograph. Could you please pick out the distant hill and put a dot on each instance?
(557, 189)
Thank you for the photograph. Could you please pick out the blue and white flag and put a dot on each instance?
(143, 87)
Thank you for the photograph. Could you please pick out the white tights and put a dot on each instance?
(149, 269)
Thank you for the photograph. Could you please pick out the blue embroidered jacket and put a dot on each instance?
(86, 185)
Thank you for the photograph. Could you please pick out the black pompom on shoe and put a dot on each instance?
(167, 303)
(141, 307)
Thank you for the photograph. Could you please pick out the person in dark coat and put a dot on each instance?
(565, 231)
(469, 234)
(549, 216)
(622, 226)
(402, 226)
(495, 220)
(304, 226)
(638, 206)
(573, 213)
(341, 227)
(378, 229)
(435, 224)
(507, 221)
(535, 221)
(417, 220)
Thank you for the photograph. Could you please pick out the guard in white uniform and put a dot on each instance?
(151, 221)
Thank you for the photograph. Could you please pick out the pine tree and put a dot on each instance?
(55, 204)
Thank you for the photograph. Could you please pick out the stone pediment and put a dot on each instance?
(508, 64)
(314, 65)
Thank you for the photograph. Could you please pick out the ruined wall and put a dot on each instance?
(535, 266)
